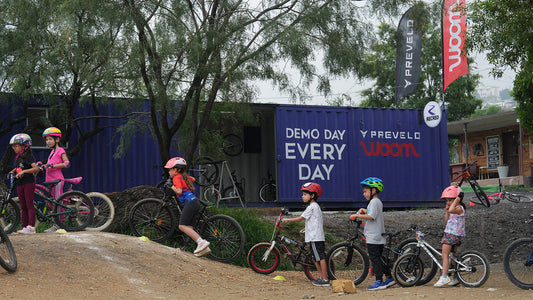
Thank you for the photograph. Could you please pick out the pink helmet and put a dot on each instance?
(176, 162)
(451, 192)
(312, 187)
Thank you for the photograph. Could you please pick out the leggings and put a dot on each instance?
(27, 211)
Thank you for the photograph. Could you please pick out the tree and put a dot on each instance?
(380, 65)
(503, 30)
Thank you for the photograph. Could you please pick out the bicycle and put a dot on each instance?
(203, 169)
(518, 261)
(513, 197)
(264, 258)
(10, 216)
(268, 190)
(348, 260)
(8, 258)
(464, 175)
(72, 211)
(157, 220)
(471, 267)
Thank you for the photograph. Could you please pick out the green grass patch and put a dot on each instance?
(486, 189)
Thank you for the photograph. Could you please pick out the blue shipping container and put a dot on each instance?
(339, 147)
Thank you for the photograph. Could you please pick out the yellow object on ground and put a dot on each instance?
(61, 231)
(280, 278)
(144, 239)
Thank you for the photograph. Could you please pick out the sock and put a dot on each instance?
(445, 276)
(199, 240)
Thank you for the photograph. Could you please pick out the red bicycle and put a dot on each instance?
(464, 175)
(505, 195)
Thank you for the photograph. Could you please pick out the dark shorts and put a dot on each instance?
(450, 239)
(318, 250)
(188, 212)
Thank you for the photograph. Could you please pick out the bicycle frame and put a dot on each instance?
(432, 252)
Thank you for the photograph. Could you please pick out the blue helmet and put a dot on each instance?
(373, 182)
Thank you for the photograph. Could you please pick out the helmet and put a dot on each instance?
(451, 192)
(20, 138)
(176, 162)
(312, 187)
(52, 131)
(373, 182)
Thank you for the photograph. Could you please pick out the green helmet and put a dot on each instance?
(373, 182)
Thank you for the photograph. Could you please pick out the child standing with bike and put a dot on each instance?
(454, 231)
(374, 227)
(182, 185)
(314, 229)
(57, 160)
(25, 167)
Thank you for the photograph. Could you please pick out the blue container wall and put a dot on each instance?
(96, 163)
(339, 147)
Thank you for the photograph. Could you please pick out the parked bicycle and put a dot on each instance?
(203, 169)
(157, 220)
(348, 260)
(268, 191)
(505, 195)
(464, 175)
(10, 216)
(264, 258)
(518, 261)
(471, 267)
(8, 258)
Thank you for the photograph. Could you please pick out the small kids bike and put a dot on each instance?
(264, 258)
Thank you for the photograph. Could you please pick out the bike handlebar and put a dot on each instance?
(466, 168)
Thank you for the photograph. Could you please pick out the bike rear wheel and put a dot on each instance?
(268, 193)
(518, 263)
(518, 198)
(407, 270)
(260, 261)
(475, 271)
(346, 261)
(80, 211)
(480, 194)
(8, 259)
(226, 237)
(430, 267)
(204, 171)
(10, 216)
(153, 219)
(104, 211)
(310, 269)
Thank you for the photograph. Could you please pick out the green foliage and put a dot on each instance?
(489, 110)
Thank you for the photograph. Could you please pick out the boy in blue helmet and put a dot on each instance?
(374, 228)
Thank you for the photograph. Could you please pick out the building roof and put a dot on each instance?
(499, 120)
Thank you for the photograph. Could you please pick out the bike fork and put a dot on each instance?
(265, 256)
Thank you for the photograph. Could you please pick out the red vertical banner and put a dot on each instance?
(453, 40)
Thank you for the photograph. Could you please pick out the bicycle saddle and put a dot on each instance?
(75, 180)
(206, 203)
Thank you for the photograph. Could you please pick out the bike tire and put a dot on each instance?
(204, 170)
(152, 218)
(518, 198)
(479, 266)
(347, 261)
(82, 214)
(518, 263)
(480, 194)
(230, 193)
(211, 194)
(256, 255)
(430, 267)
(232, 145)
(10, 217)
(310, 269)
(226, 237)
(104, 212)
(268, 193)
(407, 270)
(8, 258)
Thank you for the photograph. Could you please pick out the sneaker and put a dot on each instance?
(201, 246)
(320, 282)
(28, 230)
(453, 281)
(442, 281)
(389, 282)
(378, 285)
(204, 252)
(54, 228)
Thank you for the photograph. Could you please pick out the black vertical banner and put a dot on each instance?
(408, 55)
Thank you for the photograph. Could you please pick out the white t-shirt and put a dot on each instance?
(314, 227)
(374, 228)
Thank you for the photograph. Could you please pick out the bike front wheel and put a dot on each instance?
(226, 237)
(480, 194)
(268, 193)
(10, 216)
(518, 198)
(153, 219)
(430, 267)
(8, 259)
(75, 211)
(472, 269)
(518, 263)
(408, 269)
(262, 260)
(104, 211)
(347, 261)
